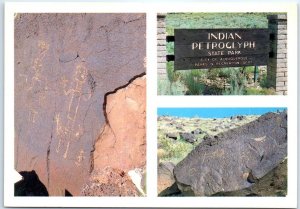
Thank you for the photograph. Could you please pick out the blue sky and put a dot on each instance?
(214, 112)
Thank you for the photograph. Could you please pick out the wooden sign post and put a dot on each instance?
(214, 48)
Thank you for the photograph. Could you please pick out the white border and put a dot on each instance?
(289, 101)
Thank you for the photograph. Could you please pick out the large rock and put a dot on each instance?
(172, 135)
(122, 143)
(272, 184)
(65, 64)
(235, 159)
(165, 180)
(188, 137)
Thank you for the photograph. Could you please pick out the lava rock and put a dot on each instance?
(171, 136)
(188, 137)
(197, 131)
(224, 162)
(179, 127)
(272, 184)
(238, 117)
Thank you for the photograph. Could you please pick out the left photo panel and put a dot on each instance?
(80, 104)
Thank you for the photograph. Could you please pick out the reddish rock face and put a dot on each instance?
(109, 182)
(64, 66)
(122, 143)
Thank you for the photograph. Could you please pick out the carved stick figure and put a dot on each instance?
(66, 130)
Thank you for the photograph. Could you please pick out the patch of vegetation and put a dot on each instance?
(264, 83)
(259, 91)
(237, 82)
(193, 84)
(215, 20)
(170, 150)
(173, 151)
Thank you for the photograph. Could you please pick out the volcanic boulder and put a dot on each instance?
(197, 131)
(235, 159)
(272, 184)
(65, 64)
(188, 137)
(171, 136)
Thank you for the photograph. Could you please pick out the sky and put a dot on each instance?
(214, 112)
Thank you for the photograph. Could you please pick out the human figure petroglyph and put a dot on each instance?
(38, 84)
(65, 126)
(32, 115)
(80, 158)
(37, 63)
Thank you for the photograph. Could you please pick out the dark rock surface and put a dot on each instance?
(272, 184)
(188, 137)
(224, 162)
(238, 117)
(165, 179)
(197, 131)
(65, 64)
(172, 136)
(30, 185)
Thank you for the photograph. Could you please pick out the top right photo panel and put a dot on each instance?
(222, 54)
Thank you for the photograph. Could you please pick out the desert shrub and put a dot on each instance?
(264, 83)
(170, 47)
(173, 151)
(253, 91)
(259, 91)
(213, 90)
(213, 73)
(268, 91)
(194, 86)
(237, 82)
(172, 75)
(225, 72)
(163, 87)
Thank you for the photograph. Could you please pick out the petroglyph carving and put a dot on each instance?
(80, 158)
(32, 115)
(37, 63)
(65, 127)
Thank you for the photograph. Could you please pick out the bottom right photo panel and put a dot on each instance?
(222, 151)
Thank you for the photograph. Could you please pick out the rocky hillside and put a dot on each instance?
(178, 136)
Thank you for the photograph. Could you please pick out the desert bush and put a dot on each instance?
(194, 86)
(259, 91)
(172, 76)
(264, 83)
(237, 82)
(173, 151)
(163, 87)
